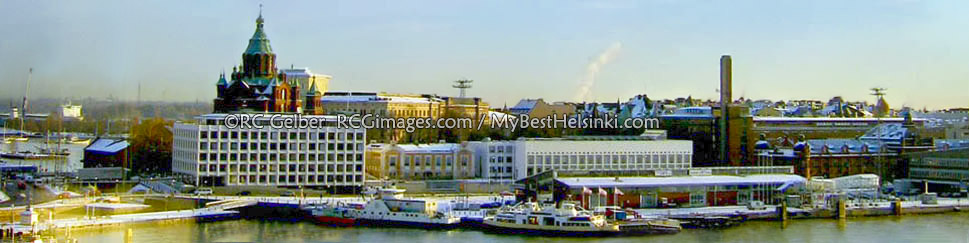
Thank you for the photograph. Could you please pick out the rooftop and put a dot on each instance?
(106, 146)
(681, 181)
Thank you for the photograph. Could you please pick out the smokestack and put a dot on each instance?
(725, 100)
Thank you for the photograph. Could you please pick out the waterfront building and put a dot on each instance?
(104, 152)
(524, 157)
(700, 125)
(257, 85)
(676, 191)
(945, 170)
(209, 153)
(420, 161)
(880, 151)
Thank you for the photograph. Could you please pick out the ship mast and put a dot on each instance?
(23, 107)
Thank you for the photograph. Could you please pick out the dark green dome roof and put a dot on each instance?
(259, 44)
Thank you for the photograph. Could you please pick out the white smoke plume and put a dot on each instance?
(592, 70)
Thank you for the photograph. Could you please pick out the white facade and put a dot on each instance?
(525, 157)
(306, 79)
(209, 153)
(496, 159)
(70, 111)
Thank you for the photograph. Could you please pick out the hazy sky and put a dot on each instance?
(918, 50)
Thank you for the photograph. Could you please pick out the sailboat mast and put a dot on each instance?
(23, 108)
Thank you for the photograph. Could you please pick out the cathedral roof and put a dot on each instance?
(313, 90)
(259, 44)
(222, 81)
(260, 81)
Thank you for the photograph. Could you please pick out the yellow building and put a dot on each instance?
(420, 161)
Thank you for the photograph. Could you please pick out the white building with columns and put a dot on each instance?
(517, 159)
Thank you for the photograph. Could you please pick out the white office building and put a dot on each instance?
(521, 158)
(209, 153)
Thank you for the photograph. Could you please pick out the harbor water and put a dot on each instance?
(70, 163)
(950, 227)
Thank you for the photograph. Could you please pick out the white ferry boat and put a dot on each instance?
(390, 208)
(568, 219)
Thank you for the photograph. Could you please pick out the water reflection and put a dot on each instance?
(913, 228)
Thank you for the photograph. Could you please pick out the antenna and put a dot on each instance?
(879, 94)
(24, 105)
(462, 85)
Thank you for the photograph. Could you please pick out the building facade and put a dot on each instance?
(382, 104)
(538, 108)
(420, 161)
(209, 153)
(583, 154)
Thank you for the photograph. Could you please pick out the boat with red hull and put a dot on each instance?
(333, 215)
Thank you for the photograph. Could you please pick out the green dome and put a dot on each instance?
(259, 44)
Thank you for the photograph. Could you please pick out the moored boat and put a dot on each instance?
(390, 208)
(331, 214)
(632, 223)
(567, 220)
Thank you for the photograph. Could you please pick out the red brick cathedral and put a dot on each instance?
(256, 85)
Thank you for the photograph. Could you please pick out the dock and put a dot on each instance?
(203, 215)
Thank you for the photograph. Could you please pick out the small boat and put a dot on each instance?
(632, 223)
(330, 214)
(77, 140)
(30, 155)
(709, 221)
(16, 139)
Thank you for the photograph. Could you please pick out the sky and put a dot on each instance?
(558, 50)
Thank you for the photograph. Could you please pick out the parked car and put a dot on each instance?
(244, 193)
(287, 194)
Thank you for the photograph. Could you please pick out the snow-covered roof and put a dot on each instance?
(372, 97)
(886, 132)
(832, 119)
(429, 148)
(691, 112)
(106, 146)
(837, 146)
(524, 105)
(680, 181)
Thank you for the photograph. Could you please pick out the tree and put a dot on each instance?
(151, 146)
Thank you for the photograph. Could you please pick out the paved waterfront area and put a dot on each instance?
(88, 222)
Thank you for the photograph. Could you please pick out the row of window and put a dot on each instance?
(417, 162)
(292, 179)
(263, 135)
(281, 146)
(500, 159)
(949, 175)
(608, 159)
(942, 162)
(280, 168)
(427, 174)
(501, 149)
(272, 157)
